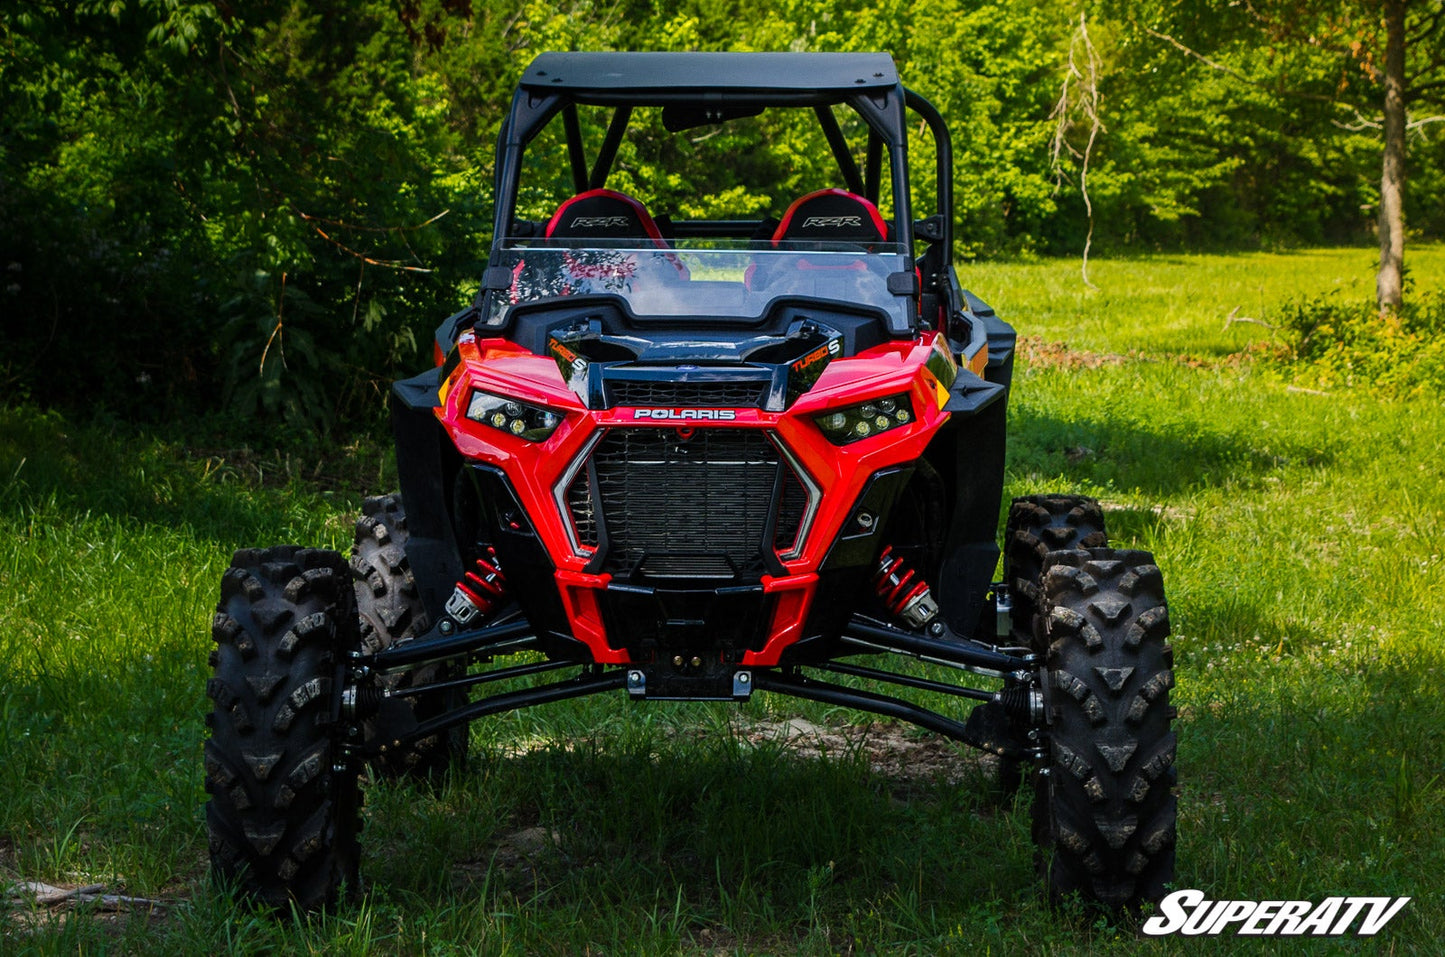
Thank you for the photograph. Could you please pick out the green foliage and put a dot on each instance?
(268, 207)
(1340, 341)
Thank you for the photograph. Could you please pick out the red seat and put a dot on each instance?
(826, 216)
(605, 218)
(832, 216)
(603, 214)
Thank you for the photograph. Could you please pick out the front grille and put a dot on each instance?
(683, 505)
(792, 509)
(636, 393)
(584, 517)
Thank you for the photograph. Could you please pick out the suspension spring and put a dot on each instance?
(903, 592)
(479, 592)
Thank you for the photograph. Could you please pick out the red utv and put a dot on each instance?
(699, 459)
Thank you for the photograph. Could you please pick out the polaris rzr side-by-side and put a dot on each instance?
(700, 458)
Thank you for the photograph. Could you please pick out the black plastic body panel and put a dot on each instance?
(427, 464)
(531, 576)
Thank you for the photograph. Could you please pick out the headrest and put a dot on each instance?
(603, 214)
(832, 215)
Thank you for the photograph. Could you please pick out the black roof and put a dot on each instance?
(641, 74)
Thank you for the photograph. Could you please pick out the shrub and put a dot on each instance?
(1331, 342)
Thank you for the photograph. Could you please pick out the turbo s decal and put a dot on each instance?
(569, 363)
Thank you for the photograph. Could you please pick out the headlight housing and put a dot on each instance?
(866, 419)
(530, 422)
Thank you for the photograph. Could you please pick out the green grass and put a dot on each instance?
(1300, 538)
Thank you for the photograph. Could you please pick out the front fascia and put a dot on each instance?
(536, 470)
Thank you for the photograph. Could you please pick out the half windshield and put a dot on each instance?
(702, 281)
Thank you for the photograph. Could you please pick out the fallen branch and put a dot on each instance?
(46, 895)
(1234, 317)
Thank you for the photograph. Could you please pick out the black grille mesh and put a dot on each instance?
(714, 395)
(584, 518)
(791, 510)
(685, 507)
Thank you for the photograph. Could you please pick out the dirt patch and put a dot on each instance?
(892, 751)
(1039, 354)
(1168, 513)
(525, 856)
(1058, 355)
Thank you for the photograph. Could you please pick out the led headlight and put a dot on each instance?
(529, 422)
(865, 420)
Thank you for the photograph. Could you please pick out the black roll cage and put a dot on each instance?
(723, 86)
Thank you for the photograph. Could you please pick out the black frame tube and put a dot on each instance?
(944, 143)
(839, 145)
(485, 677)
(438, 648)
(905, 681)
(587, 683)
(873, 170)
(800, 686)
(615, 131)
(575, 149)
(956, 651)
(717, 228)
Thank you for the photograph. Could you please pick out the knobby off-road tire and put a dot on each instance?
(1037, 525)
(284, 803)
(1104, 814)
(391, 611)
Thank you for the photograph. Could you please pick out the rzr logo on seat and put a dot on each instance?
(600, 222)
(832, 222)
(714, 415)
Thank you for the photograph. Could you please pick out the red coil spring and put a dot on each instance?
(486, 586)
(897, 584)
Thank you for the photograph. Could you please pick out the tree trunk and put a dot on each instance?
(1388, 286)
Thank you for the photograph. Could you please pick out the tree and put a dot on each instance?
(1373, 61)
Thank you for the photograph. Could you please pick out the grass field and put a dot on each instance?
(1299, 531)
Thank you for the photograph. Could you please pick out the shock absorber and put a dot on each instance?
(479, 592)
(903, 592)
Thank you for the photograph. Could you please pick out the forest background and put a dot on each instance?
(259, 211)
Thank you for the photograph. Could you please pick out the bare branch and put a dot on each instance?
(1231, 72)
(1212, 64)
(278, 333)
(1361, 123)
(1088, 104)
(385, 263)
(369, 229)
